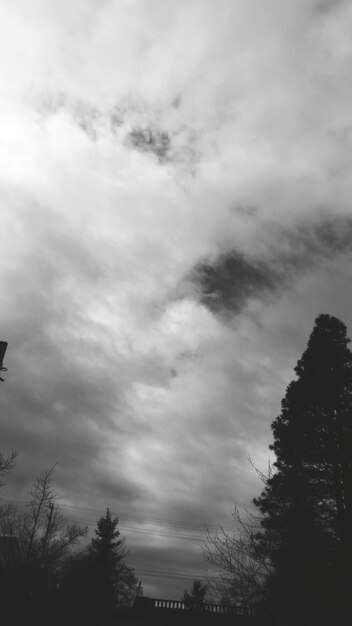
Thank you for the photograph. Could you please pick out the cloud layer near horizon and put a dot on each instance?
(140, 142)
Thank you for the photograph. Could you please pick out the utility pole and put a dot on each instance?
(137, 593)
(3, 348)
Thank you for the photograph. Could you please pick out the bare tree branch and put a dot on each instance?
(240, 570)
(7, 463)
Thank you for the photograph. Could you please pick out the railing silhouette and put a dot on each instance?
(220, 609)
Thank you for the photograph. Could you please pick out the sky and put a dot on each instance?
(175, 202)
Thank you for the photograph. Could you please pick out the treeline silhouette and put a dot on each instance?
(290, 559)
(44, 581)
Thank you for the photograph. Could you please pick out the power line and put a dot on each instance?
(141, 571)
(182, 524)
(141, 531)
(176, 575)
(124, 527)
(140, 518)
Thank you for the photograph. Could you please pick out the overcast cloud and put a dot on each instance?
(175, 198)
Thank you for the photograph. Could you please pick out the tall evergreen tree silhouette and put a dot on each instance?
(307, 502)
(96, 581)
(108, 552)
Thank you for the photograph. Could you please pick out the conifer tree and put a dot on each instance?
(307, 503)
(195, 598)
(106, 545)
(108, 552)
(96, 581)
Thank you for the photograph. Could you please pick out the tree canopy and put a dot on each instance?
(195, 598)
(100, 579)
(306, 505)
(107, 552)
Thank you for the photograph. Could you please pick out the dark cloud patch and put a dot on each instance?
(150, 140)
(119, 122)
(231, 280)
(327, 6)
